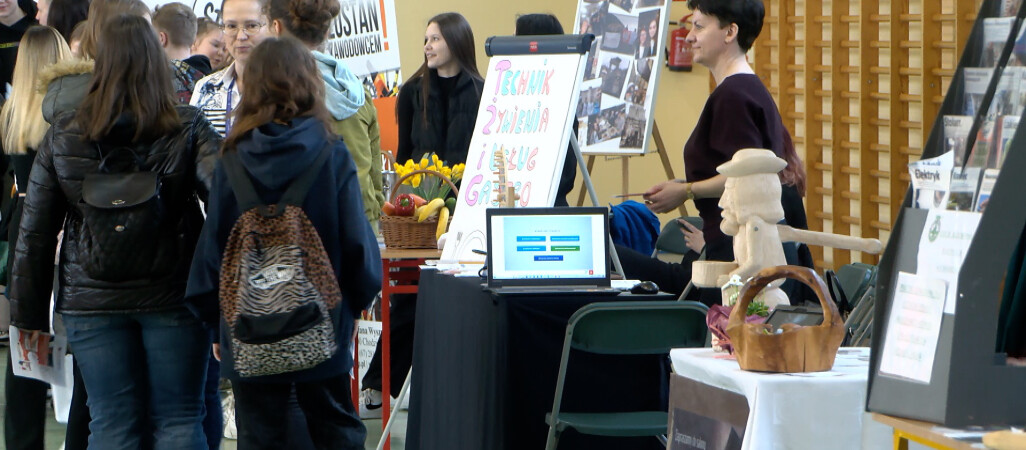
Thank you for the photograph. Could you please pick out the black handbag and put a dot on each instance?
(122, 215)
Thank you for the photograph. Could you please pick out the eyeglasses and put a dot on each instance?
(233, 29)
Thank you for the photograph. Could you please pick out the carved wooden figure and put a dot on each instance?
(751, 210)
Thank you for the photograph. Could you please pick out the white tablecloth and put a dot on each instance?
(821, 410)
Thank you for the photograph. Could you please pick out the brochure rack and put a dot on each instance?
(970, 383)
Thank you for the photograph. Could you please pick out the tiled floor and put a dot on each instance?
(55, 431)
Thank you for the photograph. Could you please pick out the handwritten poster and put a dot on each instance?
(618, 93)
(525, 116)
(364, 34)
(913, 327)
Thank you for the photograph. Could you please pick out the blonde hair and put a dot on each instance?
(21, 120)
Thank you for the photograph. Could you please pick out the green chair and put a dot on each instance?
(624, 328)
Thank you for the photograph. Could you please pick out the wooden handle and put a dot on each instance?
(436, 173)
(770, 274)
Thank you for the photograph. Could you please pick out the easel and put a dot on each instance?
(625, 172)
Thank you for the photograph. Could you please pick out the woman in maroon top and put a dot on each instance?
(740, 113)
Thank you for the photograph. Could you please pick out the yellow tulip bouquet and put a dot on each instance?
(428, 186)
(419, 212)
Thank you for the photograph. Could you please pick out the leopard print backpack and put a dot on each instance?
(277, 283)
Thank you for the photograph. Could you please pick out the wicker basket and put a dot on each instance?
(405, 231)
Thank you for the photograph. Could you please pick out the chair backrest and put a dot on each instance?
(855, 279)
(650, 327)
(671, 240)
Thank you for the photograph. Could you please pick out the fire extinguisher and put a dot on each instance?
(680, 57)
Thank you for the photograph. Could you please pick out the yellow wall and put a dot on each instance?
(680, 97)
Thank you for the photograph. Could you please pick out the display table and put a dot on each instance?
(924, 433)
(484, 371)
(821, 410)
(399, 275)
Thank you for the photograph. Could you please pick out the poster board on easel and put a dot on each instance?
(526, 113)
(617, 97)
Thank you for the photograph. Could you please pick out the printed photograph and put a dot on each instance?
(613, 73)
(648, 34)
(626, 5)
(592, 18)
(648, 3)
(634, 128)
(591, 101)
(607, 125)
(591, 66)
(637, 88)
(620, 34)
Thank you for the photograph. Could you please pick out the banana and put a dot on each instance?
(430, 209)
(443, 221)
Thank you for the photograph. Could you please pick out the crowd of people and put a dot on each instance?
(178, 109)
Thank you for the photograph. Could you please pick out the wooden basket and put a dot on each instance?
(405, 231)
(802, 349)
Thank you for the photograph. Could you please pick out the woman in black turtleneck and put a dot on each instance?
(437, 106)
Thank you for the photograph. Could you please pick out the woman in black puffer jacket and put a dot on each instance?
(127, 247)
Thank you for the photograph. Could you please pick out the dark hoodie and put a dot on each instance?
(274, 155)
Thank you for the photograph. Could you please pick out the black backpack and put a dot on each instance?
(125, 234)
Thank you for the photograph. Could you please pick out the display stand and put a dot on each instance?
(969, 382)
(625, 189)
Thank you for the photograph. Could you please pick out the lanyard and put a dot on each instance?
(228, 110)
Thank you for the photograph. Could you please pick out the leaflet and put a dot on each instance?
(942, 249)
(913, 329)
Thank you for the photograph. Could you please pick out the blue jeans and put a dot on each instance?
(144, 373)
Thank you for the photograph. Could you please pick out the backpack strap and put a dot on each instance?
(294, 195)
(238, 179)
(296, 192)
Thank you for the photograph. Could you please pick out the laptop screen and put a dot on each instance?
(547, 246)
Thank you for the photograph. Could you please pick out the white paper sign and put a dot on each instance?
(525, 115)
(943, 246)
(931, 180)
(367, 334)
(913, 327)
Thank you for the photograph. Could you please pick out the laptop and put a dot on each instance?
(548, 251)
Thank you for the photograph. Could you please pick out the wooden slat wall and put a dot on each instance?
(859, 84)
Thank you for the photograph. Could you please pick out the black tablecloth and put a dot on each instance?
(485, 371)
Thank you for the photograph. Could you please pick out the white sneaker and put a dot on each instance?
(370, 407)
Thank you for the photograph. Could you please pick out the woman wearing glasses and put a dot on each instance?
(245, 26)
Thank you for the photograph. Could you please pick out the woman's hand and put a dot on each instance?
(693, 237)
(665, 196)
(216, 348)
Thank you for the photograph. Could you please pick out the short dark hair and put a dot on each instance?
(306, 20)
(282, 83)
(178, 22)
(538, 24)
(747, 14)
(131, 75)
(65, 15)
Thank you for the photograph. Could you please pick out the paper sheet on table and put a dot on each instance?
(943, 246)
(910, 342)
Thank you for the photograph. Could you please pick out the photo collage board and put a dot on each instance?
(618, 92)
